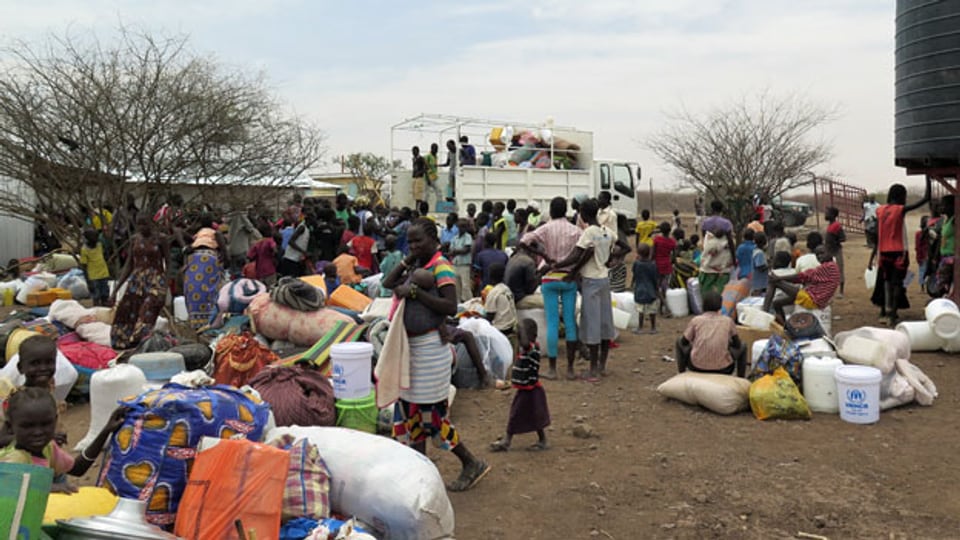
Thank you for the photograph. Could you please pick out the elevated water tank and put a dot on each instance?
(927, 132)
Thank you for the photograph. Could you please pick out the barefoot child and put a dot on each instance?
(529, 411)
(645, 283)
(31, 415)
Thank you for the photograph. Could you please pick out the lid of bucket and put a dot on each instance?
(351, 348)
(858, 374)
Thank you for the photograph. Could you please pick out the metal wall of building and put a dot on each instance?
(16, 235)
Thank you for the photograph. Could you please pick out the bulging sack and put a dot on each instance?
(412, 504)
(722, 394)
(150, 455)
(776, 396)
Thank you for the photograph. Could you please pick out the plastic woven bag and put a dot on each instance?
(777, 397)
(233, 479)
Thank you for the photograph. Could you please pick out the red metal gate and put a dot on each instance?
(848, 199)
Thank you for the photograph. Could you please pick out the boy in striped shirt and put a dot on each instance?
(818, 286)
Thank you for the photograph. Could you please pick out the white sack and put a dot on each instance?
(385, 484)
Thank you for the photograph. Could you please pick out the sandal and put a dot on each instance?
(499, 445)
(470, 476)
(538, 446)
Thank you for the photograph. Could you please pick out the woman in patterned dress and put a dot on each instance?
(144, 276)
(203, 273)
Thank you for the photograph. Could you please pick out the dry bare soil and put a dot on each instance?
(660, 469)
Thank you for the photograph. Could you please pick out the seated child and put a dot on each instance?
(499, 305)
(809, 260)
(818, 286)
(529, 411)
(710, 343)
(31, 416)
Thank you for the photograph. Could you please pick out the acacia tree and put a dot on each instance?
(81, 122)
(370, 172)
(753, 147)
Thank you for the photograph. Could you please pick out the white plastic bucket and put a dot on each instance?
(858, 390)
(352, 365)
(180, 309)
(944, 317)
(819, 384)
(921, 336)
(677, 302)
(754, 317)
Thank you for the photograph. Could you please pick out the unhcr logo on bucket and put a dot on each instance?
(856, 399)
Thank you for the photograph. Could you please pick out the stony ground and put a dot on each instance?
(654, 468)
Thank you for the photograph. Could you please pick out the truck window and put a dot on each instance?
(604, 176)
(623, 180)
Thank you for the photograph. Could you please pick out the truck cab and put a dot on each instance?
(621, 180)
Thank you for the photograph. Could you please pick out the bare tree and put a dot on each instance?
(370, 172)
(753, 147)
(81, 121)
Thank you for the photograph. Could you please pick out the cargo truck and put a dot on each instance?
(561, 163)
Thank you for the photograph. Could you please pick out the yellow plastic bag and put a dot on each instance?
(777, 396)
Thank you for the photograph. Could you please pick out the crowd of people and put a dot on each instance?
(499, 255)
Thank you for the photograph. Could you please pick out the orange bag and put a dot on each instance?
(235, 479)
(239, 357)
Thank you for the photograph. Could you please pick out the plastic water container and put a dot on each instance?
(858, 390)
(360, 413)
(756, 350)
(107, 387)
(863, 351)
(921, 336)
(621, 319)
(694, 297)
(944, 317)
(180, 309)
(23, 497)
(754, 318)
(159, 366)
(677, 302)
(820, 385)
(352, 366)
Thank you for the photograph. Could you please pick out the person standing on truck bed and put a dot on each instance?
(433, 174)
(452, 165)
(500, 225)
(468, 154)
(419, 171)
(511, 218)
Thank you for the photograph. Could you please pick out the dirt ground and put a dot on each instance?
(660, 469)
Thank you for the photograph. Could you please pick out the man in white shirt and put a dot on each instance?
(809, 259)
(606, 216)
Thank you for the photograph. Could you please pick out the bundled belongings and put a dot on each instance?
(776, 396)
(410, 504)
(297, 294)
(722, 394)
(298, 395)
(150, 454)
(239, 357)
(195, 355)
(307, 492)
(778, 353)
(304, 328)
(235, 296)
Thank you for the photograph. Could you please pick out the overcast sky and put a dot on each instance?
(613, 67)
